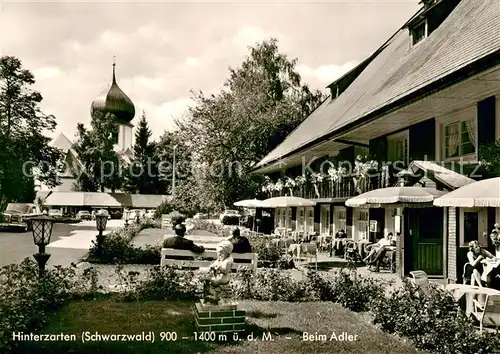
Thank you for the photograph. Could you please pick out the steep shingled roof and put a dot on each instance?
(471, 32)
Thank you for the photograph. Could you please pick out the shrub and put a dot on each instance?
(354, 291)
(319, 287)
(231, 220)
(433, 321)
(168, 283)
(27, 301)
(117, 247)
(270, 285)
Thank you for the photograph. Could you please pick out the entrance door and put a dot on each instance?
(426, 231)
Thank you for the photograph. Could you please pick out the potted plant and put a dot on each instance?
(290, 184)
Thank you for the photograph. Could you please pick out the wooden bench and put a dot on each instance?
(192, 260)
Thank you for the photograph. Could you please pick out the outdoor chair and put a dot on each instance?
(467, 274)
(388, 262)
(488, 314)
(351, 251)
(421, 279)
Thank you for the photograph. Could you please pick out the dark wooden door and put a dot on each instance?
(426, 230)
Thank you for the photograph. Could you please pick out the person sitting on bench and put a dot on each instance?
(240, 243)
(180, 243)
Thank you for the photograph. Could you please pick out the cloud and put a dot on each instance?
(46, 73)
(326, 73)
(165, 49)
(162, 117)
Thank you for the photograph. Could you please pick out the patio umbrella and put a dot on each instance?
(249, 203)
(395, 195)
(287, 201)
(485, 193)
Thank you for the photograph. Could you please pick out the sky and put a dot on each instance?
(166, 49)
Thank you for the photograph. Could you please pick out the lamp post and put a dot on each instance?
(173, 174)
(42, 230)
(101, 219)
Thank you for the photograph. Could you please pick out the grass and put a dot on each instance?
(286, 322)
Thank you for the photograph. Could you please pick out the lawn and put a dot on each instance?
(286, 322)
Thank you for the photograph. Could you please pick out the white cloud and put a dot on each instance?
(113, 39)
(326, 73)
(192, 62)
(161, 117)
(46, 73)
(249, 35)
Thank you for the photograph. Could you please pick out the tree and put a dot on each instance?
(489, 159)
(142, 174)
(95, 148)
(262, 101)
(25, 154)
(164, 153)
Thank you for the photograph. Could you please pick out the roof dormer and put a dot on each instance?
(429, 18)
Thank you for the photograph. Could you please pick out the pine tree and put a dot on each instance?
(142, 174)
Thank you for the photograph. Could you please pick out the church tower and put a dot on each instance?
(115, 101)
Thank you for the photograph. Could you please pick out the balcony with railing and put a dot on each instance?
(342, 187)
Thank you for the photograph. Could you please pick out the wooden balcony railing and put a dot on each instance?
(345, 187)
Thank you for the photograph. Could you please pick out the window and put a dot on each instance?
(418, 33)
(473, 223)
(340, 220)
(310, 219)
(325, 220)
(363, 224)
(471, 226)
(401, 150)
(460, 139)
(300, 219)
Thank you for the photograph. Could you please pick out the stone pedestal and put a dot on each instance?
(220, 318)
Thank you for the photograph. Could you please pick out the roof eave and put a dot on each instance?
(473, 68)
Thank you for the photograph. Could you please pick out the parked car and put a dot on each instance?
(230, 217)
(84, 215)
(56, 213)
(18, 215)
(200, 216)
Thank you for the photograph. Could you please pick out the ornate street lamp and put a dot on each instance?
(42, 230)
(101, 219)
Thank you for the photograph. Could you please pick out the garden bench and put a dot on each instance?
(192, 260)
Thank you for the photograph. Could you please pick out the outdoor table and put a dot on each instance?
(459, 290)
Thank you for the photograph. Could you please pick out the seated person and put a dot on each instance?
(338, 247)
(376, 247)
(475, 256)
(179, 242)
(240, 243)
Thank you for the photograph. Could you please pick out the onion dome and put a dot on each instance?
(115, 101)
